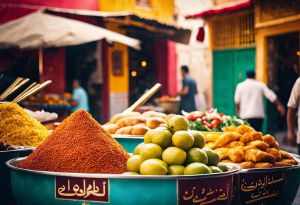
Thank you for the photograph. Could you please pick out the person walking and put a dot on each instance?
(79, 98)
(249, 100)
(188, 91)
(293, 109)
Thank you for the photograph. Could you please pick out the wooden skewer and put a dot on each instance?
(26, 90)
(32, 91)
(23, 82)
(10, 87)
(144, 98)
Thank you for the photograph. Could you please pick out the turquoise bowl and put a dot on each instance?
(53, 188)
(5, 187)
(129, 142)
(267, 186)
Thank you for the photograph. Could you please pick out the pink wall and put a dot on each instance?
(165, 58)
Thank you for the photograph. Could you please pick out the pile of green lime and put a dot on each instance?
(173, 149)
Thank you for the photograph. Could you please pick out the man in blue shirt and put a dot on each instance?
(188, 91)
(80, 98)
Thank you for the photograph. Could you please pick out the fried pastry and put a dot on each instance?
(289, 161)
(259, 145)
(285, 155)
(227, 161)
(242, 129)
(251, 136)
(275, 153)
(246, 165)
(236, 154)
(234, 144)
(255, 155)
(263, 165)
(223, 152)
(226, 138)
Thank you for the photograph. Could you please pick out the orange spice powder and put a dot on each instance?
(78, 144)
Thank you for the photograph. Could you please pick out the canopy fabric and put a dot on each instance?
(41, 30)
(223, 8)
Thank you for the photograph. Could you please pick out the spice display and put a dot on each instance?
(17, 127)
(134, 123)
(174, 150)
(248, 148)
(211, 120)
(78, 144)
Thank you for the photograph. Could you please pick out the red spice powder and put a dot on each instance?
(78, 144)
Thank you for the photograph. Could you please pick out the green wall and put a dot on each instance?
(229, 68)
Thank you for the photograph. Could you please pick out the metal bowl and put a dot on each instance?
(32, 187)
(169, 106)
(277, 185)
(5, 188)
(129, 142)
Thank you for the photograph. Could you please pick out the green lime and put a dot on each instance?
(223, 167)
(176, 170)
(196, 168)
(196, 155)
(178, 122)
(161, 137)
(213, 157)
(183, 139)
(133, 163)
(136, 150)
(198, 138)
(151, 150)
(215, 169)
(154, 167)
(174, 155)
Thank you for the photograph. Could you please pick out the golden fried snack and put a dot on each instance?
(111, 128)
(226, 138)
(122, 115)
(234, 144)
(289, 161)
(130, 121)
(223, 152)
(210, 145)
(263, 165)
(280, 164)
(124, 130)
(139, 130)
(275, 153)
(246, 165)
(149, 114)
(229, 129)
(275, 145)
(259, 145)
(245, 148)
(251, 136)
(154, 122)
(242, 129)
(268, 139)
(227, 161)
(237, 154)
(285, 155)
(255, 155)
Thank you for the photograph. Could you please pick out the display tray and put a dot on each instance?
(5, 188)
(272, 186)
(129, 142)
(75, 188)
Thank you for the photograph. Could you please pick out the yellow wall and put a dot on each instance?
(162, 10)
(261, 45)
(118, 83)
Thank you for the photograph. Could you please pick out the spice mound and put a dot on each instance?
(78, 144)
(17, 127)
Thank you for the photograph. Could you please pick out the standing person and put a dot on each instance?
(188, 91)
(249, 101)
(80, 98)
(293, 109)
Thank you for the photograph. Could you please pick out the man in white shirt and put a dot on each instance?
(249, 102)
(293, 108)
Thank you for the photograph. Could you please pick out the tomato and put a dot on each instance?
(194, 116)
(215, 122)
(204, 118)
(211, 110)
(209, 125)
